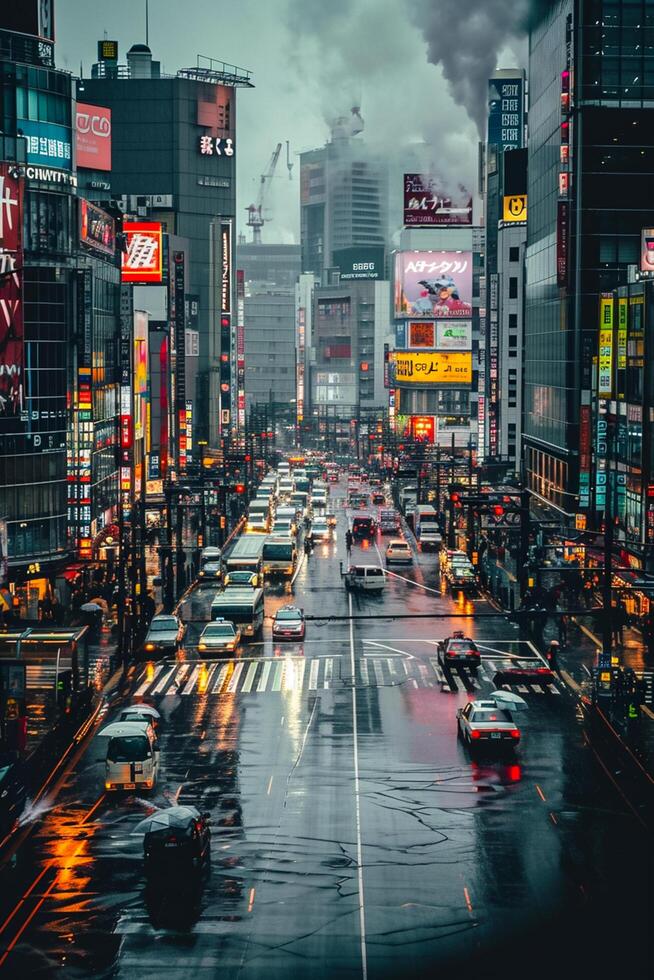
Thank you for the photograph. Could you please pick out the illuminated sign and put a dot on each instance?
(93, 136)
(97, 228)
(647, 250)
(107, 50)
(433, 284)
(142, 260)
(515, 208)
(425, 203)
(506, 107)
(226, 267)
(216, 146)
(422, 334)
(605, 362)
(422, 428)
(413, 368)
(48, 144)
(454, 335)
(12, 355)
(562, 243)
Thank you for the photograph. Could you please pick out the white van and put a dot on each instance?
(366, 578)
(132, 756)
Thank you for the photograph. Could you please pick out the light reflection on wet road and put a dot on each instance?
(499, 866)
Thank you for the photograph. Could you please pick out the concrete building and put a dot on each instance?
(343, 196)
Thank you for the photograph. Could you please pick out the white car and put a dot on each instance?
(321, 531)
(398, 552)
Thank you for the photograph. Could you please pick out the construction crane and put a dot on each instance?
(255, 211)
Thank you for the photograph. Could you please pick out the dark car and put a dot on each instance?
(288, 624)
(12, 792)
(178, 838)
(458, 650)
(164, 636)
(530, 670)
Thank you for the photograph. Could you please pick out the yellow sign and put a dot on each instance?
(580, 522)
(605, 361)
(622, 333)
(432, 367)
(515, 207)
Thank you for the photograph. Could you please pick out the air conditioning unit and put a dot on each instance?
(160, 200)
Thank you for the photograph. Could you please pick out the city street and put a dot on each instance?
(353, 834)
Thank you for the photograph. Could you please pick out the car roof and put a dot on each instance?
(121, 729)
(395, 541)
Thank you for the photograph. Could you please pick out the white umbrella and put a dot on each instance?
(141, 709)
(507, 699)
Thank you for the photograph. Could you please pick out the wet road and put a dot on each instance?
(353, 834)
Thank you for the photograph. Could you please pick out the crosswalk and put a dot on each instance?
(284, 675)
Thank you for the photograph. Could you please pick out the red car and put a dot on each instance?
(459, 650)
(288, 624)
(532, 670)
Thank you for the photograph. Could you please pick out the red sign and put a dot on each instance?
(562, 243)
(422, 427)
(422, 334)
(584, 438)
(425, 203)
(11, 291)
(142, 261)
(93, 136)
(126, 431)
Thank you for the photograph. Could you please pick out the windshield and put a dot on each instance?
(491, 714)
(288, 614)
(462, 645)
(280, 551)
(238, 612)
(162, 624)
(224, 629)
(128, 748)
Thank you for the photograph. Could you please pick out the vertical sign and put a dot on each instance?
(492, 405)
(126, 400)
(605, 362)
(562, 244)
(225, 325)
(584, 455)
(240, 353)
(600, 456)
(506, 112)
(11, 292)
(84, 316)
(301, 354)
(180, 357)
(623, 307)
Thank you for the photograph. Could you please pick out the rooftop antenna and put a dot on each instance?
(289, 163)
(147, 25)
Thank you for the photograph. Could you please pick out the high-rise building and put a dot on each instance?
(590, 167)
(270, 274)
(343, 196)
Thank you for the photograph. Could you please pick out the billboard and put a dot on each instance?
(93, 136)
(97, 229)
(424, 368)
(514, 209)
(454, 335)
(422, 428)
(426, 203)
(142, 259)
(605, 361)
(48, 144)
(35, 17)
(506, 113)
(433, 284)
(365, 262)
(647, 250)
(422, 333)
(11, 291)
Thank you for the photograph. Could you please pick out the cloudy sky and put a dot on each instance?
(312, 60)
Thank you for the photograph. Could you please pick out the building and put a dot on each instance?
(174, 162)
(38, 283)
(270, 275)
(589, 173)
(343, 196)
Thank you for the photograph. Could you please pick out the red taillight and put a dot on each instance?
(543, 670)
(475, 734)
(515, 733)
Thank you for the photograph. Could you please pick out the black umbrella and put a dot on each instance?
(172, 816)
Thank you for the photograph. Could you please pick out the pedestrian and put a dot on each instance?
(348, 541)
(308, 543)
(552, 656)
(563, 629)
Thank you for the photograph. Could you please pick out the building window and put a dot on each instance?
(514, 253)
(513, 287)
(513, 321)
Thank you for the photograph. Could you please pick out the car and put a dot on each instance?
(331, 519)
(321, 531)
(178, 839)
(378, 497)
(288, 624)
(241, 577)
(398, 552)
(458, 650)
(483, 723)
(388, 521)
(164, 635)
(530, 669)
(219, 636)
(211, 570)
(283, 529)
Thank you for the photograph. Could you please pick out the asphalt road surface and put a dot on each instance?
(353, 835)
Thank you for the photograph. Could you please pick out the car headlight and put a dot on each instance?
(202, 646)
(149, 646)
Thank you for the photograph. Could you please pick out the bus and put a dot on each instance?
(246, 555)
(242, 607)
(279, 557)
(426, 529)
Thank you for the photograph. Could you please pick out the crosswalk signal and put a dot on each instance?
(239, 488)
(498, 510)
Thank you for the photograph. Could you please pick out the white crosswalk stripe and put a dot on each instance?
(313, 675)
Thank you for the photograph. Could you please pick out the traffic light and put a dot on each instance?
(455, 499)
(239, 488)
(498, 510)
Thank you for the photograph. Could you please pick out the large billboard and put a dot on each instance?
(93, 136)
(433, 284)
(11, 291)
(97, 229)
(454, 335)
(421, 333)
(506, 113)
(432, 367)
(48, 144)
(360, 262)
(142, 259)
(427, 203)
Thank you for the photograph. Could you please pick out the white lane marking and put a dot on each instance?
(299, 670)
(263, 680)
(437, 669)
(164, 680)
(190, 684)
(474, 681)
(379, 673)
(363, 667)
(482, 673)
(313, 675)
(277, 679)
(385, 646)
(357, 806)
(148, 681)
(522, 688)
(234, 679)
(537, 689)
(222, 674)
(249, 678)
(554, 689)
(329, 666)
(179, 679)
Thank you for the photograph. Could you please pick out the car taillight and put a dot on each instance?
(514, 733)
(475, 734)
(543, 670)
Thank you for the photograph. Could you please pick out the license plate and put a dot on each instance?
(129, 785)
(496, 735)
(171, 843)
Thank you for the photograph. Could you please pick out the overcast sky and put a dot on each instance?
(311, 61)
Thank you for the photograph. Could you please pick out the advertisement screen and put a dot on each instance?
(97, 228)
(515, 208)
(647, 250)
(142, 261)
(422, 428)
(413, 368)
(506, 113)
(426, 203)
(93, 136)
(422, 333)
(11, 292)
(366, 262)
(48, 144)
(454, 335)
(433, 284)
